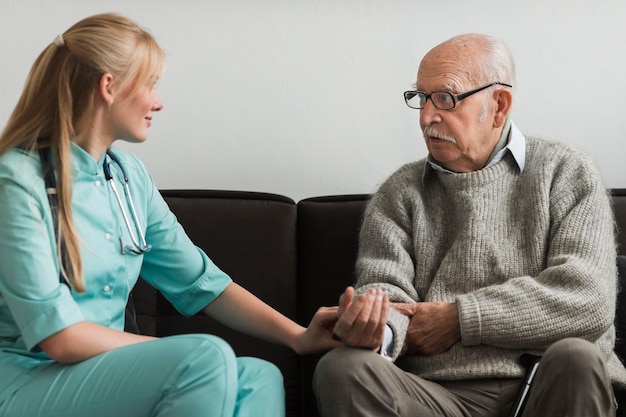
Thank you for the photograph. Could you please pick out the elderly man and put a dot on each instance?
(494, 247)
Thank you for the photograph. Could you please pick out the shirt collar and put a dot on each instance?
(82, 161)
(516, 145)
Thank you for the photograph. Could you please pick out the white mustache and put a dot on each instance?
(430, 131)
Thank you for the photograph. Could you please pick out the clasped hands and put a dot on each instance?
(434, 326)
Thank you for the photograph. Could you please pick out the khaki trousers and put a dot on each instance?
(572, 381)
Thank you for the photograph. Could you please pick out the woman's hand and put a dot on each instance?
(318, 336)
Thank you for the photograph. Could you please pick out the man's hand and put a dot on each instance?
(362, 319)
(434, 327)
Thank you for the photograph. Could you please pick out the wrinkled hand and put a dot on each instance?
(434, 327)
(362, 319)
(318, 336)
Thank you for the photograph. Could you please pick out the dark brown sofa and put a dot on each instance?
(294, 256)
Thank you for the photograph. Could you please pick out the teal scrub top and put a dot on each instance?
(35, 305)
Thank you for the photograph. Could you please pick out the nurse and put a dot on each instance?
(72, 247)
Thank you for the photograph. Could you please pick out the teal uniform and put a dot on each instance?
(190, 375)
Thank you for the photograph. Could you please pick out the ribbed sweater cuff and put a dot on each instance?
(399, 323)
(469, 319)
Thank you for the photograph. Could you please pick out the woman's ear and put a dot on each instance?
(504, 101)
(106, 88)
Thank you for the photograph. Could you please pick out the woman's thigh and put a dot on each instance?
(190, 375)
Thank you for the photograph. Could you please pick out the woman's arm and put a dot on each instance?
(235, 307)
(239, 309)
(84, 340)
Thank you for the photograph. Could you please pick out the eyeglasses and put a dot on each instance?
(442, 100)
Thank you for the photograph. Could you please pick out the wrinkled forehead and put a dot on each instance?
(449, 67)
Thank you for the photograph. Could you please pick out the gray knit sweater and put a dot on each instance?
(529, 257)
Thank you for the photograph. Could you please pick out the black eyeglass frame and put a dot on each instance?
(408, 95)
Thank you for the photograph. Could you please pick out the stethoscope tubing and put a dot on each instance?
(139, 246)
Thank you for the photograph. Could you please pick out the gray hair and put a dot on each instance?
(498, 64)
(495, 64)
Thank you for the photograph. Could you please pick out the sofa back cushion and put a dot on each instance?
(252, 237)
(328, 234)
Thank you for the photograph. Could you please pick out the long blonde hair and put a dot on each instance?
(57, 103)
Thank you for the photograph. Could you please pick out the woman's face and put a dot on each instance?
(132, 116)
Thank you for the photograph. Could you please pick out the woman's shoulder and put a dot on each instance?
(19, 164)
(20, 176)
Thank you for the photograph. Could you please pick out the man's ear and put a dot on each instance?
(106, 88)
(504, 101)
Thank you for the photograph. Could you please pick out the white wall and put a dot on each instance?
(304, 97)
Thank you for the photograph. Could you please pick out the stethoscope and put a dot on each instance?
(139, 246)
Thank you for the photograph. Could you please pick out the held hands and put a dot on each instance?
(362, 319)
(357, 322)
(434, 327)
(318, 336)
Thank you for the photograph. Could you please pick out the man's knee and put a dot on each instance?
(348, 381)
(573, 344)
(339, 366)
(572, 379)
(574, 356)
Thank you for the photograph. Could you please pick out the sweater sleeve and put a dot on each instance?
(385, 258)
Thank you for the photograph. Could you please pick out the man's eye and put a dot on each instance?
(444, 98)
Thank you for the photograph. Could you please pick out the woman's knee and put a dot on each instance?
(261, 389)
(205, 359)
(266, 373)
(203, 347)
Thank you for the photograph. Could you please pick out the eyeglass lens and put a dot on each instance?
(417, 99)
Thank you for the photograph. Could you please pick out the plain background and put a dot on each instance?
(304, 97)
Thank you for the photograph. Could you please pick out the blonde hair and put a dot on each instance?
(57, 103)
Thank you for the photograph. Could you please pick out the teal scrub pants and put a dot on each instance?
(178, 376)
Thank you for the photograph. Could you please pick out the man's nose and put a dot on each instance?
(429, 113)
